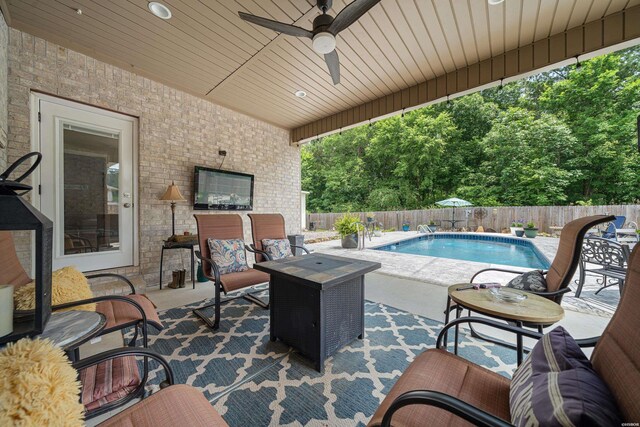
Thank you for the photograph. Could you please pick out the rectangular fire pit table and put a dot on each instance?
(316, 302)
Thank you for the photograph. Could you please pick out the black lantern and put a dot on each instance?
(17, 215)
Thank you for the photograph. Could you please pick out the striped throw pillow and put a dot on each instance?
(557, 386)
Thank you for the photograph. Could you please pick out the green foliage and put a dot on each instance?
(347, 224)
(557, 138)
(530, 225)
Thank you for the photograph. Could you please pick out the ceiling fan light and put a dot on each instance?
(159, 10)
(324, 42)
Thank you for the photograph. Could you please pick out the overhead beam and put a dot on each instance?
(592, 36)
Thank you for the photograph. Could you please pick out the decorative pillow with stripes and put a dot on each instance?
(557, 386)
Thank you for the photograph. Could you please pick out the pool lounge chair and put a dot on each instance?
(620, 231)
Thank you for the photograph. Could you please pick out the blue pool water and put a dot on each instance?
(470, 247)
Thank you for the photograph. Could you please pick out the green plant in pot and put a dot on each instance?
(432, 226)
(530, 230)
(370, 216)
(347, 226)
(406, 225)
(377, 230)
(516, 228)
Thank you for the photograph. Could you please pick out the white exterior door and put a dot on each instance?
(87, 183)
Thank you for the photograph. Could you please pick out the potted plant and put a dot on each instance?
(515, 226)
(377, 230)
(406, 225)
(433, 227)
(347, 226)
(370, 216)
(531, 231)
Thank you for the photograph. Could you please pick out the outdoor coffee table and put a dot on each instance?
(316, 302)
(534, 311)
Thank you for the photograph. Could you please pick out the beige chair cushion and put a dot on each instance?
(119, 313)
(178, 405)
(445, 372)
(234, 281)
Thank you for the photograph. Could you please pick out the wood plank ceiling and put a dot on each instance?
(207, 50)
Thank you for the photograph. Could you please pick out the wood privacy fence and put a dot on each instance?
(497, 218)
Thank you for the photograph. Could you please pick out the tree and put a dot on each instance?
(559, 137)
(526, 159)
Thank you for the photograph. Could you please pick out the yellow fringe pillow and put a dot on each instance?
(67, 285)
(38, 386)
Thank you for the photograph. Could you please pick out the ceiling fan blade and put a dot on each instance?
(350, 14)
(280, 27)
(333, 63)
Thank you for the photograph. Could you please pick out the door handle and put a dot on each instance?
(127, 205)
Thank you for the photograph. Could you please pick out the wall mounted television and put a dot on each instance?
(222, 190)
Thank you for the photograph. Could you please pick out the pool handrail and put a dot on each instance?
(425, 229)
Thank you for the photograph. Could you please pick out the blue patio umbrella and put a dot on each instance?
(454, 202)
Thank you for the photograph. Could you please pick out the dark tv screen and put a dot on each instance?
(222, 190)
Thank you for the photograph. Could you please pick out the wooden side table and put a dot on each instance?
(535, 310)
(167, 245)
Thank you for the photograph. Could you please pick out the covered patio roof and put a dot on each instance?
(401, 54)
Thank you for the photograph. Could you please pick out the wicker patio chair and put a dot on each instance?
(439, 388)
(224, 227)
(120, 311)
(268, 226)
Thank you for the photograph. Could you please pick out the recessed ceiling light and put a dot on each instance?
(160, 10)
(300, 93)
(494, 2)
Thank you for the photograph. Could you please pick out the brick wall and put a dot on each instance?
(4, 42)
(176, 132)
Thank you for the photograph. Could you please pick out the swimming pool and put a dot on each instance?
(473, 247)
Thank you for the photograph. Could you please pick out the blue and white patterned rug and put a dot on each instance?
(252, 381)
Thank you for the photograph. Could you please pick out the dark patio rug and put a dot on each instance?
(254, 382)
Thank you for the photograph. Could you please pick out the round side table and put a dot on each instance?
(535, 310)
(70, 329)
